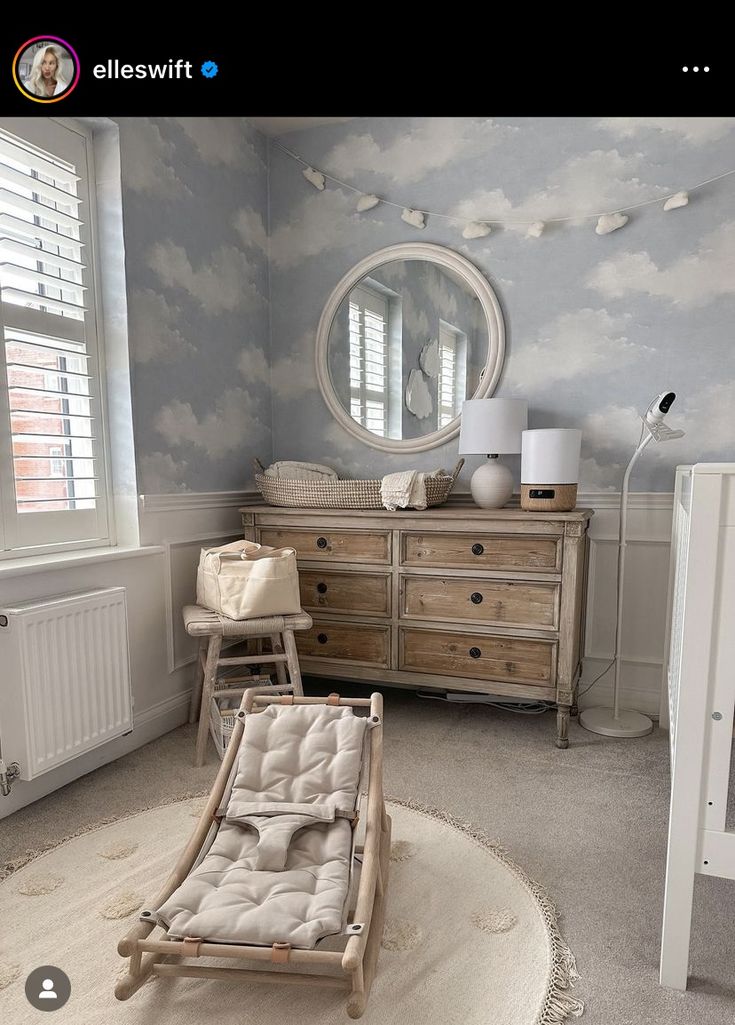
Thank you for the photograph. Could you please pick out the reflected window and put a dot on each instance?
(368, 325)
(451, 377)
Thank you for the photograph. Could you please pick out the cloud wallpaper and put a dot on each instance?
(596, 326)
(223, 310)
(195, 196)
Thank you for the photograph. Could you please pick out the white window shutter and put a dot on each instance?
(52, 466)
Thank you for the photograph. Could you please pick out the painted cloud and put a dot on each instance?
(223, 140)
(220, 282)
(693, 279)
(586, 184)
(225, 429)
(321, 221)
(148, 160)
(251, 229)
(427, 145)
(154, 332)
(696, 131)
(573, 345)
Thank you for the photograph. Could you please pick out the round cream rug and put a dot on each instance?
(468, 939)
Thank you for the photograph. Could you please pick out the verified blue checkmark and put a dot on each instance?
(209, 69)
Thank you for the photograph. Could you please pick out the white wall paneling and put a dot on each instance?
(182, 560)
(160, 582)
(644, 611)
(185, 515)
(155, 583)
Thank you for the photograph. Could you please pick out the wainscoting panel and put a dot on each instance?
(644, 611)
(182, 560)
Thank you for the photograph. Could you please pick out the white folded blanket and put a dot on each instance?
(405, 489)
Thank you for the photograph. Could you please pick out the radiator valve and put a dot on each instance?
(8, 773)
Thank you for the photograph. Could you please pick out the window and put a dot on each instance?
(52, 463)
(57, 464)
(368, 313)
(451, 379)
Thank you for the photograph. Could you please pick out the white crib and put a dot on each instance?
(699, 697)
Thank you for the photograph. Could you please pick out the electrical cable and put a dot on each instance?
(521, 708)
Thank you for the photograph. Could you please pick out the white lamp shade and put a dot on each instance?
(551, 456)
(492, 426)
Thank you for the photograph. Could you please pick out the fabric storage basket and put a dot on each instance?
(245, 580)
(341, 494)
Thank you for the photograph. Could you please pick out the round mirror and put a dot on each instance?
(406, 336)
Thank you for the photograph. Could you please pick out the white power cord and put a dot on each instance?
(521, 708)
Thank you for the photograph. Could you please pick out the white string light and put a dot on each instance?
(607, 220)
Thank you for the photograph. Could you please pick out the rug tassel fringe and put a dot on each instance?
(562, 1007)
(559, 1003)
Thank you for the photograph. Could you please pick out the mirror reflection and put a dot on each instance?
(407, 346)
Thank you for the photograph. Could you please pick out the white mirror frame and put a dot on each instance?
(496, 339)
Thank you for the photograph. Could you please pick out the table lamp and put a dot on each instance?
(550, 469)
(492, 427)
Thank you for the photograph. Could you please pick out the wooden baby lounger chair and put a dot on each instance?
(267, 872)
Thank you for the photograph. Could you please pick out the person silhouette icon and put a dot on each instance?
(47, 988)
(47, 992)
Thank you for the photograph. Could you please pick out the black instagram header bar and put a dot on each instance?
(47, 67)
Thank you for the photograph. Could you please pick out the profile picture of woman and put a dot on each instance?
(46, 70)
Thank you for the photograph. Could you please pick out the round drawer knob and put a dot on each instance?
(321, 587)
(321, 542)
(476, 598)
(478, 549)
(475, 652)
(322, 638)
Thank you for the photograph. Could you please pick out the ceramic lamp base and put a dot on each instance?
(491, 484)
(548, 497)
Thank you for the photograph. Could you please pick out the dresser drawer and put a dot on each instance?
(327, 590)
(482, 657)
(331, 545)
(475, 600)
(346, 642)
(482, 551)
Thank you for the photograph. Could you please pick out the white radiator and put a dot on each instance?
(64, 677)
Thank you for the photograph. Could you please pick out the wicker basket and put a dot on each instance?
(226, 700)
(341, 494)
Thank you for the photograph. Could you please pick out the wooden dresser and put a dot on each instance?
(455, 598)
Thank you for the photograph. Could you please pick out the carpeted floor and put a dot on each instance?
(589, 823)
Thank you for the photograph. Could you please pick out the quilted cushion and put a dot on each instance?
(226, 900)
(278, 870)
(297, 765)
(298, 754)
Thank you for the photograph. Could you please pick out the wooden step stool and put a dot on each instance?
(211, 629)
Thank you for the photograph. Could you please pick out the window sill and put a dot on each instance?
(61, 560)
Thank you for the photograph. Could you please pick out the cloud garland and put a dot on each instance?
(607, 221)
